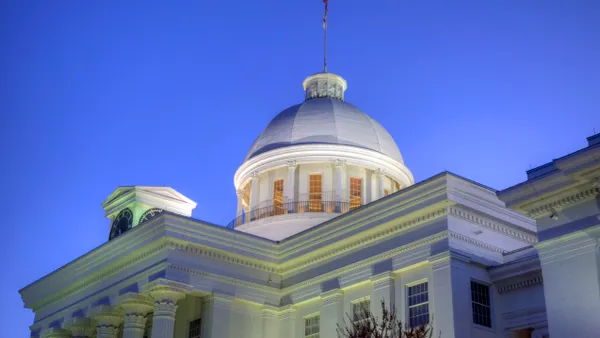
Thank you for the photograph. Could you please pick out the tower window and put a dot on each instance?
(480, 300)
(418, 305)
(311, 326)
(195, 326)
(278, 197)
(315, 193)
(355, 192)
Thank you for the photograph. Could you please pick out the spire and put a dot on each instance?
(326, 2)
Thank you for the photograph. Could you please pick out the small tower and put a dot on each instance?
(130, 206)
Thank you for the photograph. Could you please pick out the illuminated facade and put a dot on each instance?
(329, 221)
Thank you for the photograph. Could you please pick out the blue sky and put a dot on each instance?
(97, 94)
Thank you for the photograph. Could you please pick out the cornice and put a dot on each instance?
(520, 282)
(221, 255)
(97, 277)
(496, 226)
(544, 207)
(365, 239)
(312, 153)
(475, 242)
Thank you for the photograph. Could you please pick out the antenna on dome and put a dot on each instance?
(326, 2)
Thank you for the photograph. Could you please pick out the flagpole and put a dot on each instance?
(325, 36)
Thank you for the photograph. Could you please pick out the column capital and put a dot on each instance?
(380, 171)
(80, 327)
(221, 301)
(56, 333)
(332, 296)
(108, 319)
(291, 165)
(254, 175)
(339, 163)
(288, 311)
(135, 303)
(444, 259)
(383, 279)
(239, 193)
(164, 290)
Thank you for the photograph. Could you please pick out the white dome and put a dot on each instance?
(325, 121)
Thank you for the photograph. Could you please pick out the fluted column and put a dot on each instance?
(339, 181)
(290, 185)
(108, 319)
(254, 194)
(240, 197)
(81, 327)
(380, 183)
(56, 333)
(332, 313)
(136, 307)
(165, 294)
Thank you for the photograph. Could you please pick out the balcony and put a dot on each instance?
(320, 202)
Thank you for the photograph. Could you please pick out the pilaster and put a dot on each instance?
(270, 319)
(332, 313)
(450, 295)
(288, 322)
(165, 294)
(108, 320)
(383, 290)
(340, 178)
(136, 307)
(217, 316)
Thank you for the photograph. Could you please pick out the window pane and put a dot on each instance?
(480, 298)
(311, 326)
(194, 331)
(315, 193)
(418, 305)
(355, 192)
(278, 197)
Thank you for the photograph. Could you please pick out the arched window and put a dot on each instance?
(121, 224)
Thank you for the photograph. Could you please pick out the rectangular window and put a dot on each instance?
(311, 326)
(278, 197)
(315, 193)
(355, 192)
(195, 326)
(480, 299)
(360, 309)
(418, 305)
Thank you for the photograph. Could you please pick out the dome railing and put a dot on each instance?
(307, 203)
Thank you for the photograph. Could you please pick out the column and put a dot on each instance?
(383, 290)
(216, 317)
(165, 294)
(56, 333)
(290, 185)
(136, 307)
(254, 195)
(339, 190)
(240, 197)
(380, 183)
(332, 313)
(81, 327)
(108, 320)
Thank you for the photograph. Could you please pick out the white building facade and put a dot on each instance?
(329, 220)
